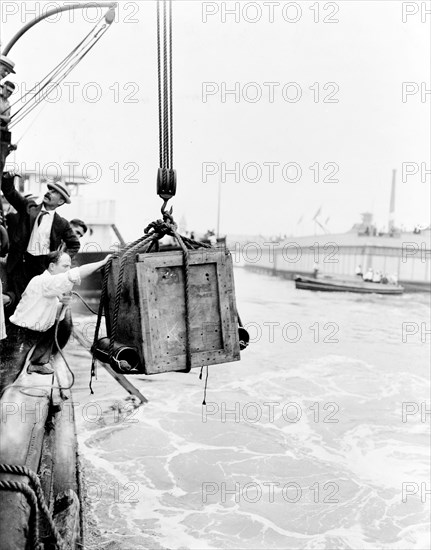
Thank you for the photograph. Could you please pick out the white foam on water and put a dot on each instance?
(357, 449)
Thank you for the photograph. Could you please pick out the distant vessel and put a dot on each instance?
(406, 255)
(345, 283)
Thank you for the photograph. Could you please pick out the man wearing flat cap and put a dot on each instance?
(38, 231)
(6, 66)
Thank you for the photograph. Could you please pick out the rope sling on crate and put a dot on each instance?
(166, 189)
(154, 232)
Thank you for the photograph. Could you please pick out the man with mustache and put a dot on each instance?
(39, 230)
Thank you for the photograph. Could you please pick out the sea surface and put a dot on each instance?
(317, 439)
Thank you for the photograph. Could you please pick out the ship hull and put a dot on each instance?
(37, 432)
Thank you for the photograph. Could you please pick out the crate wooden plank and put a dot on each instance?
(213, 318)
(129, 313)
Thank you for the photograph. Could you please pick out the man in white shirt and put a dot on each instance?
(377, 277)
(369, 275)
(35, 316)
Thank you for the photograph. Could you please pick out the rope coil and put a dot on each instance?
(36, 498)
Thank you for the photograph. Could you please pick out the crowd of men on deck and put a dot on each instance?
(37, 247)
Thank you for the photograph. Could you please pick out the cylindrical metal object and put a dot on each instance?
(244, 338)
(126, 358)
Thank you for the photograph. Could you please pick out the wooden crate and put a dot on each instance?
(152, 311)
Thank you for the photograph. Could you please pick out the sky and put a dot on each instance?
(280, 108)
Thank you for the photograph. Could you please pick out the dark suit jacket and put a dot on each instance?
(4, 238)
(27, 212)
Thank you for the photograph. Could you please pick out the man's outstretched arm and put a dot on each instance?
(88, 269)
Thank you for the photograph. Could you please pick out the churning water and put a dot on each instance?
(318, 438)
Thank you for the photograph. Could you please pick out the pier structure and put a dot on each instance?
(406, 255)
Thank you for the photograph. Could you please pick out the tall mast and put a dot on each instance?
(391, 223)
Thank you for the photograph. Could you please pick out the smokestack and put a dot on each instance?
(391, 224)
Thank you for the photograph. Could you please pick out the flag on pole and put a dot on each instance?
(317, 213)
(320, 225)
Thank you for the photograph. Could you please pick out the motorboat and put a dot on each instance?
(345, 283)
